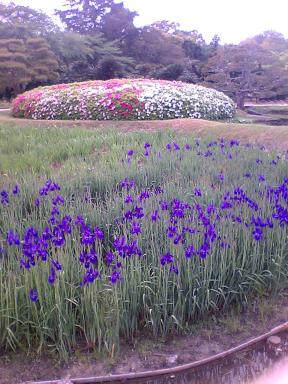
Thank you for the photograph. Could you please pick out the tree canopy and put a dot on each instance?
(99, 40)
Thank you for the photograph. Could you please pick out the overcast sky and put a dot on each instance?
(232, 20)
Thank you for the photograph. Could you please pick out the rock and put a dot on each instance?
(185, 358)
(274, 345)
(172, 359)
(274, 341)
(65, 381)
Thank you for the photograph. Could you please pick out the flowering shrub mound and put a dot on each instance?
(123, 100)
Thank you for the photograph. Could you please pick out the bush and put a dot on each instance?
(171, 72)
(123, 100)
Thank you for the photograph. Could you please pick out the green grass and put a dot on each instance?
(41, 151)
(91, 166)
(4, 104)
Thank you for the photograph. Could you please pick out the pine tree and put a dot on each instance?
(24, 63)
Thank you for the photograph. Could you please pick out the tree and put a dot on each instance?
(156, 47)
(270, 40)
(245, 71)
(22, 21)
(171, 72)
(42, 62)
(109, 68)
(214, 43)
(26, 59)
(24, 63)
(166, 26)
(118, 23)
(86, 57)
(193, 50)
(85, 16)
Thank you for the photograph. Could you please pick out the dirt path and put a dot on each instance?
(273, 137)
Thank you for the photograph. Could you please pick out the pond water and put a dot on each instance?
(276, 122)
(243, 368)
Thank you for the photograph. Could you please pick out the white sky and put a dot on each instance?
(232, 20)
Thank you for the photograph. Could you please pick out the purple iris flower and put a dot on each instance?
(167, 259)
(16, 190)
(257, 234)
(52, 275)
(128, 215)
(99, 234)
(221, 177)
(190, 251)
(174, 269)
(87, 236)
(164, 205)
(143, 196)
(187, 147)
(138, 212)
(37, 202)
(204, 250)
(115, 277)
(130, 152)
(176, 146)
(33, 294)
(57, 265)
(12, 238)
(155, 215)
(80, 221)
(127, 184)
(158, 190)
(4, 195)
(90, 276)
(261, 178)
(58, 200)
(128, 199)
(171, 231)
(169, 147)
(109, 258)
(135, 228)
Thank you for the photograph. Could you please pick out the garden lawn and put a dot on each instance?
(132, 231)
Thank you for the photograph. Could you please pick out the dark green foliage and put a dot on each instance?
(84, 16)
(171, 72)
(246, 70)
(118, 23)
(193, 50)
(101, 41)
(20, 21)
(25, 63)
(82, 57)
(109, 68)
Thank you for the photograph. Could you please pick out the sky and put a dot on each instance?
(232, 20)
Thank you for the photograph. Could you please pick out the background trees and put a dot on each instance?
(25, 63)
(99, 40)
(246, 71)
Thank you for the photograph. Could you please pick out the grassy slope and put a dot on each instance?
(274, 137)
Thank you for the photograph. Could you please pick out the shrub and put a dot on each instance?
(123, 100)
(171, 72)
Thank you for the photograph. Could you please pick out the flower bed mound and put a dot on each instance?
(123, 100)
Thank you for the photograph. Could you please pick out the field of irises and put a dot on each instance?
(167, 232)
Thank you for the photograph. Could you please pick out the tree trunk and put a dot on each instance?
(240, 99)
